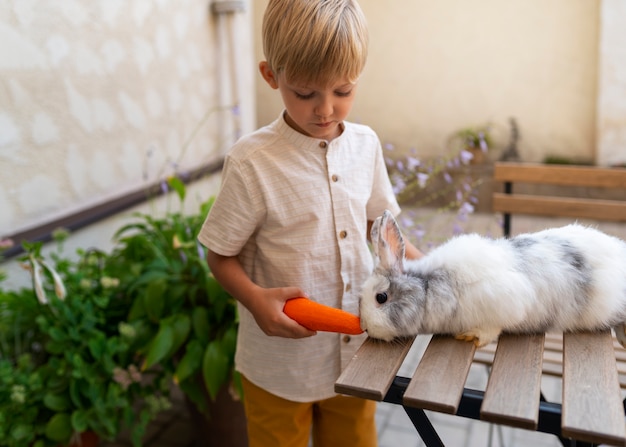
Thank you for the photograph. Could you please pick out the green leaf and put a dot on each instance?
(177, 185)
(57, 383)
(200, 323)
(229, 343)
(59, 428)
(75, 393)
(137, 309)
(182, 326)
(97, 346)
(153, 300)
(55, 348)
(131, 226)
(190, 363)
(215, 368)
(56, 402)
(160, 346)
(194, 391)
(79, 421)
(22, 432)
(57, 334)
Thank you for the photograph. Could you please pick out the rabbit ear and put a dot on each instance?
(390, 243)
(374, 232)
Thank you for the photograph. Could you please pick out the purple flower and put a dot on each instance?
(200, 250)
(466, 208)
(466, 156)
(447, 177)
(388, 146)
(422, 179)
(413, 163)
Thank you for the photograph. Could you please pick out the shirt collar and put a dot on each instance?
(302, 140)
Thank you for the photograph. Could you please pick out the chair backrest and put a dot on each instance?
(571, 204)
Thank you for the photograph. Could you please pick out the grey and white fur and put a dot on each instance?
(560, 279)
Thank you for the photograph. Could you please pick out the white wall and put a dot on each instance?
(100, 97)
(439, 65)
(612, 84)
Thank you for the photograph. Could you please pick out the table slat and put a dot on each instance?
(372, 369)
(553, 356)
(592, 408)
(514, 386)
(440, 377)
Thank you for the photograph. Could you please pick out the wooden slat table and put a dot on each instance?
(592, 411)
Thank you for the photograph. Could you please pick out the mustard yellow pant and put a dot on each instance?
(338, 421)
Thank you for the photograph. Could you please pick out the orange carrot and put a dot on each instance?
(318, 317)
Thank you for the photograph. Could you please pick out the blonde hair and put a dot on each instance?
(315, 41)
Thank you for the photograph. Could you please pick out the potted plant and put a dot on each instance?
(67, 367)
(475, 139)
(185, 321)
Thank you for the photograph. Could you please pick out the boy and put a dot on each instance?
(297, 200)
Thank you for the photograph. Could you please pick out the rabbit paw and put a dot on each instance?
(480, 337)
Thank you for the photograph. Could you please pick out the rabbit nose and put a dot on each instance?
(381, 298)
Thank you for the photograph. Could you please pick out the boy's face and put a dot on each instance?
(313, 110)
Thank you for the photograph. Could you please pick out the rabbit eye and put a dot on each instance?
(381, 298)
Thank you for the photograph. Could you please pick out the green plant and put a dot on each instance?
(185, 321)
(478, 137)
(23, 414)
(67, 364)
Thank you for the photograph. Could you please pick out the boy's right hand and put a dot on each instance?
(267, 309)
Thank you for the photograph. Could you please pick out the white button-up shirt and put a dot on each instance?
(294, 209)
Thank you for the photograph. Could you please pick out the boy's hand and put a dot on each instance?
(267, 309)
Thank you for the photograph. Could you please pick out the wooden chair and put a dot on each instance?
(570, 194)
(568, 203)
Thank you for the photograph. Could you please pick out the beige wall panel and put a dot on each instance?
(439, 65)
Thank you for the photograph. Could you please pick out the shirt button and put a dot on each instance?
(343, 234)
(323, 144)
(347, 338)
(335, 177)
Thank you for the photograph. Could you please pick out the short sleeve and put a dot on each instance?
(233, 217)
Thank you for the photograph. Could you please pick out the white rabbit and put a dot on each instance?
(561, 279)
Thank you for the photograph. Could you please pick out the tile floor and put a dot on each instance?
(173, 428)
